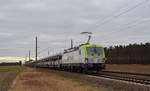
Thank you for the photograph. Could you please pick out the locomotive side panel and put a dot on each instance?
(72, 57)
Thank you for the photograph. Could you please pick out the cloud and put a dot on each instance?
(55, 22)
(11, 59)
(5, 34)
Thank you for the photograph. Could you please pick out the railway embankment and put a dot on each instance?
(8, 75)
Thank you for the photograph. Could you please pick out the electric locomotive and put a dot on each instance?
(87, 57)
(83, 58)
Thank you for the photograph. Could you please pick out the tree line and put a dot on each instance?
(10, 63)
(128, 54)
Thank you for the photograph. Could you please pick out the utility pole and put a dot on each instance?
(48, 52)
(26, 58)
(36, 48)
(29, 55)
(71, 43)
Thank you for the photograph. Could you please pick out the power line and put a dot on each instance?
(109, 19)
(43, 50)
(128, 10)
(128, 27)
(110, 15)
(137, 24)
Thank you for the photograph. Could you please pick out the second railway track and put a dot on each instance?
(126, 76)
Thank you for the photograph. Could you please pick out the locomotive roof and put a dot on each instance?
(90, 45)
(81, 46)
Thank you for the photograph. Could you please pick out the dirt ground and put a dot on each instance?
(128, 68)
(33, 80)
(7, 76)
(6, 79)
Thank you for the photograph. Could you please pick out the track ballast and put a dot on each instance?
(126, 76)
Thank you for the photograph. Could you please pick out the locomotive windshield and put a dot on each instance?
(94, 50)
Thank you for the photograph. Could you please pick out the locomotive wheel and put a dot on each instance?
(85, 70)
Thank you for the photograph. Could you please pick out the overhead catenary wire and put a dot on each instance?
(128, 10)
(140, 23)
(43, 50)
(124, 29)
(132, 8)
(99, 20)
(111, 18)
(130, 25)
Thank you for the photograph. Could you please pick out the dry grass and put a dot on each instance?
(35, 80)
(51, 80)
(7, 68)
(109, 85)
(129, 68)
(7, 75)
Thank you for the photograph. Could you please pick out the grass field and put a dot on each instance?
(7, 75)
(44, 80)
(3, 68)
(137, 68)
(106, 84)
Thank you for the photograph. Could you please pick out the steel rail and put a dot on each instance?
(127, 76)
(140, 74)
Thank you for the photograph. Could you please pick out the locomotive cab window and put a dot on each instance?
(94, 50)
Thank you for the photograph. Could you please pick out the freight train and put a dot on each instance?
(84, 58)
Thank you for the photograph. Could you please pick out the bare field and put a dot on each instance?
(7, 76)
(41, 80)
(128, 68)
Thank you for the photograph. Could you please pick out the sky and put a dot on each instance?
(55, 22)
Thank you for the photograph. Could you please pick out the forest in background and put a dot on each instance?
(128, 54)
(10, 63)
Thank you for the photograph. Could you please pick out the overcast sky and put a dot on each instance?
(55, 22)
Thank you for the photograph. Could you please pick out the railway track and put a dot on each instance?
(109, 79)
(124, 76)
(127, 76)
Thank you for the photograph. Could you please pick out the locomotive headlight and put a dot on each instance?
(86, 60)
(105, 59)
